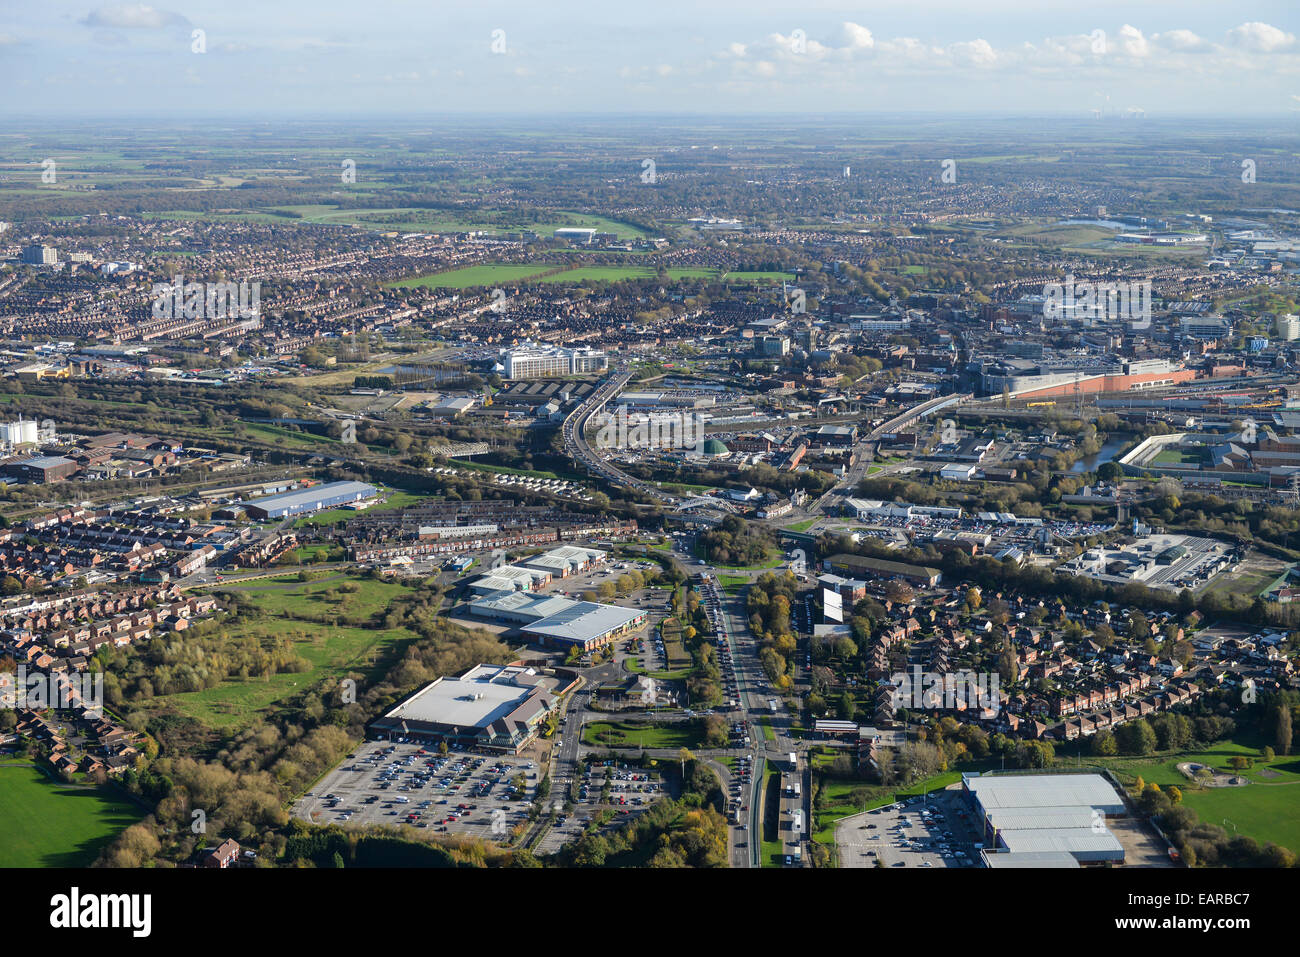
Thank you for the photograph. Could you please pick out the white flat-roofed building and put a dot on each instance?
(1082, 843)
(1033, 859)
(566, 560)
(560, 622)
(1046, 815)
(518, 607)
(1046, 791)
(499, 707)
(511, 578)
(576, 234)
(587, 625)
(554, 361)
(313, 499)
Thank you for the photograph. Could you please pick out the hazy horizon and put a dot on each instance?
(393, 57)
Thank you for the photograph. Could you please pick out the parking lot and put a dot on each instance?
(393, 783)
(934, 832)
(630, 791)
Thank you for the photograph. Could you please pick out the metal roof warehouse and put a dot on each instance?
(491, 706)
(1043, 819)
(307, 500)
(560, 621)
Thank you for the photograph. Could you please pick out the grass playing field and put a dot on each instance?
(44, 824)
(1265, 809)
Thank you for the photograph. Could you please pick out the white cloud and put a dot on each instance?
(1260, 37)
(133, 16)
(974, 53)
(859, 37)
(1132, 42)
(1181, 41)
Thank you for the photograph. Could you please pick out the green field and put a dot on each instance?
(1177, 457)
(45, 824)
(636, 668)
(802, 526)
(1241, 582)
(289, 437)
(633, 734)
(282, 608)
(1265, 809)
(733, 584)
(622, 273)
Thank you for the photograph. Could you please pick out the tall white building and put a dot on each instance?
(1288, 327)
(539, 363)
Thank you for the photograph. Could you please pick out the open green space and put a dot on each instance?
(1176, 457)
(1241, 582)
(733, 584)
(295, 609)
(841, 797)
(1264, 809)
(680, 674)
(773, 560)
(641, 734)
(44, 823)
(623, 273)
(771, 847)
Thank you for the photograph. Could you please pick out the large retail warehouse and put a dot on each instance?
(560, 622)
(1046, 820)
(490, 706)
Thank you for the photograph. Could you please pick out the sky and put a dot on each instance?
(235, 58)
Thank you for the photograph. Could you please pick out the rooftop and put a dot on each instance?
(481, 696)
(584, 620)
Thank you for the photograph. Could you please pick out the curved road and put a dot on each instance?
(577, 448)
